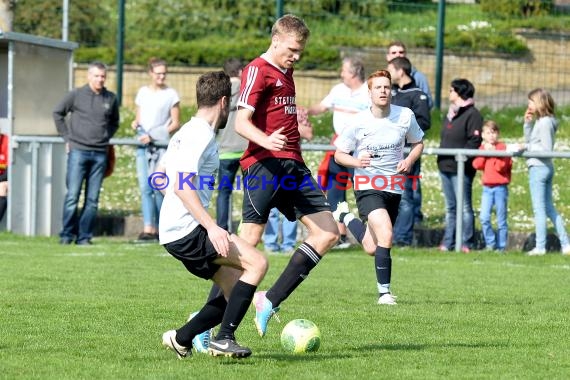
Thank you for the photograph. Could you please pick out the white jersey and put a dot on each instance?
(384, 138)
(193, 149)
(154, 110)
(345, 104)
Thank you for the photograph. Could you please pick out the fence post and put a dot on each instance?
(459, 192)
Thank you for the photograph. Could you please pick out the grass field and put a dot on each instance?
(98, 312)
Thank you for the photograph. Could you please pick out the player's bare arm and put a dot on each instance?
(345, 159)
(219, 237)
(244, 127)
(416, 150)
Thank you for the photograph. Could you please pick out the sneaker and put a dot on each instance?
(341, 208)
(342, 245)
(201, 341)
(147, 236)
(169, 341)
(387, 299)
(536, 252)
(566, 250)
(229, 348)
(264, 310)
(443, 248)
(465, 249)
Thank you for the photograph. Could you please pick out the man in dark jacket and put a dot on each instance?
(93, 121)
(405, 93)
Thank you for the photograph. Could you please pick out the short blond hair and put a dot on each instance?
(291, 24)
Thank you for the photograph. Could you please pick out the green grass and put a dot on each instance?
(98, 313)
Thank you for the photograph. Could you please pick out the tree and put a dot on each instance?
(88, 20)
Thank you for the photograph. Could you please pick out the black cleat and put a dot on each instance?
(229, 348)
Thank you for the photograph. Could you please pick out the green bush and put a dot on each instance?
(521, 8)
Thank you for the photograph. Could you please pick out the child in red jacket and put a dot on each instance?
(495, 179)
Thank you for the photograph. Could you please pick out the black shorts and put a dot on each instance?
(196, 252)
(370, 200)
(283, 183)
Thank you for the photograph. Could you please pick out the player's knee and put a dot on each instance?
(261, 266)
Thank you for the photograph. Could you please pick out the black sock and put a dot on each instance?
(357, 228)
(303, 260)
(3, 206)
(211, 315)
(342, 238)
(215, 292)
(383, 264)
(239, 302)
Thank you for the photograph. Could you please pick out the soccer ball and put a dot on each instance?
(301, 335)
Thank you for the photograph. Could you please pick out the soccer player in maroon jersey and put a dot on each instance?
(274, 172)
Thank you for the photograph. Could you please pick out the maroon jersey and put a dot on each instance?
(270, 93)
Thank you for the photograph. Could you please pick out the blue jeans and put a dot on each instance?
(271, 234)
(226, 176)
(89, 167)
(449, 185)
(540, 180)
(409, 208)
(497, 196)
(151, 199)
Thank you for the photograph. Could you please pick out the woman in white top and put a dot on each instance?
(157, 117)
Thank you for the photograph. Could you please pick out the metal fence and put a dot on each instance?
(37, 180)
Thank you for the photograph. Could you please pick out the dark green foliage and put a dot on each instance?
(520, 8)
(88, 20)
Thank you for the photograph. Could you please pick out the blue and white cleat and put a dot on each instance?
(201, 342)
(264, 310)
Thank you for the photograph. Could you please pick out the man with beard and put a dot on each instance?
(192, 236)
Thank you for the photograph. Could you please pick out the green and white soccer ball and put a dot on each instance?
(301, 335)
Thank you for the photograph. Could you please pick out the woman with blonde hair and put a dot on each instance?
(540, 126)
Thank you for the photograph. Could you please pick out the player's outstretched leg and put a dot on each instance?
(201, 341)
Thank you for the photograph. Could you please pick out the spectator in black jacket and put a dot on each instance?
(405, 93)
(461, 130)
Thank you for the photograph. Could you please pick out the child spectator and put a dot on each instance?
(495, 179)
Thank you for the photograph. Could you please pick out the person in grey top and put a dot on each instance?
(231, 147)
(540, 127)
(94, 119)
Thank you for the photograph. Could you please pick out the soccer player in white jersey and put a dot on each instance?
(192, 236)
(377, 137)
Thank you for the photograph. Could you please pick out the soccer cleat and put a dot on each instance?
(169, 341)
(387, 299)
(536, 252)
(228, 348)
(341, 210)
(201, 341)
(264, 310)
